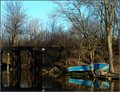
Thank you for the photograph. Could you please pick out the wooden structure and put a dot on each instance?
(14, 60)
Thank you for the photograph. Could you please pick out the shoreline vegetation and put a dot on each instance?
(61, 61)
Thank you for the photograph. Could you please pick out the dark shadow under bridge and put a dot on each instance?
(14, 59)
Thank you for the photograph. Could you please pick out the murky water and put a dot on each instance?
(31, 81)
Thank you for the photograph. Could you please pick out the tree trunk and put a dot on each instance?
(110, 52)
(109, 32)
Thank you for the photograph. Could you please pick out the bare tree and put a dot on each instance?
(109, 22)
(14, 18)
(35, 31)
(104, 12)
(84, 29)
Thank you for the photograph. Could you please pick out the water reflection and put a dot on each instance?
(28, 80)
(25, 80)
(90, 83)
(93, 85)
(65, 83)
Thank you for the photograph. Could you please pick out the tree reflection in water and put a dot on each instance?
(35, 81)
(25, 81)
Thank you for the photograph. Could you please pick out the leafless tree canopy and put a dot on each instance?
(14, 20)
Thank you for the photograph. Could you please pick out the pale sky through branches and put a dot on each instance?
(36, 9)
(40, 10)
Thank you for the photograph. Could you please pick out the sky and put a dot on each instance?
(39, 9)
(36, 9)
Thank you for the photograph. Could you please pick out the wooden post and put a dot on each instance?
(8, 73)
(19, 67)
(32, 62)
(18, 64)
(8, 62)
(1, 66)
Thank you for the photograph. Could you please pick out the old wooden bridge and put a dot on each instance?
(11, 59)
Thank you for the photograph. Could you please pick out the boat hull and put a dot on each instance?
(96, 66)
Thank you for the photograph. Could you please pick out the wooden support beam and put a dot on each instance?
(18, 68)
(1, 52)
(30, 48)
(8, 62)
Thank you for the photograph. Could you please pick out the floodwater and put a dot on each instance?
(32, 82)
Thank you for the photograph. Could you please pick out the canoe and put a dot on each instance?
(96, 66)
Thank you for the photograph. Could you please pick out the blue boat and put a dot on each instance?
(96, 66)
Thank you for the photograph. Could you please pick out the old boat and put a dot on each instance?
(96, 66)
